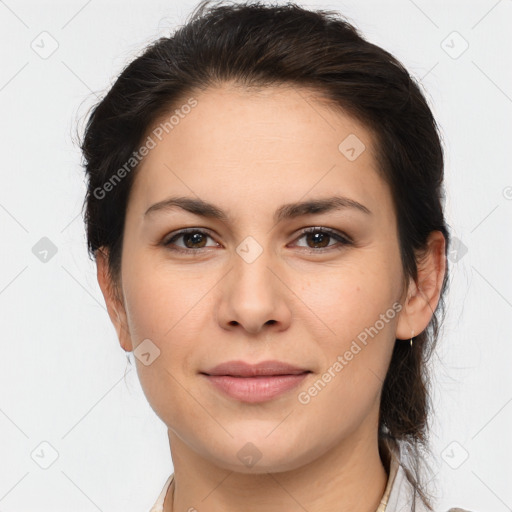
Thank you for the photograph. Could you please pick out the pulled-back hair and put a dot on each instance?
(253, 45)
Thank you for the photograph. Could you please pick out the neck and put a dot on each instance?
(350, 477)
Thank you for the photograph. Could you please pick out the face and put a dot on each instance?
(248, 284)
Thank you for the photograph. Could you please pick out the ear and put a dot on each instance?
(423, 297)
(115, 307)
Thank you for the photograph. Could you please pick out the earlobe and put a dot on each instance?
(423, 296)
(115, 307)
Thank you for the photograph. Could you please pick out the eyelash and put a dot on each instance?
(343, 239)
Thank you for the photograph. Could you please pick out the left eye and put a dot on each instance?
(319, 236)
(194, 239)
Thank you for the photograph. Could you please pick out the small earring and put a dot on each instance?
(412, 337)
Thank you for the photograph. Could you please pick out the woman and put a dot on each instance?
(265, 210)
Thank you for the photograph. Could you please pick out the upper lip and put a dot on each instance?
(243, 369)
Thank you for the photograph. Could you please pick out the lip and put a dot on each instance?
(264, 368)
(255, 382)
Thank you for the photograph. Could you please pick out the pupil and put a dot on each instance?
(194, 237)
(319, 238)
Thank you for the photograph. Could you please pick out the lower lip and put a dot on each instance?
(255, 389)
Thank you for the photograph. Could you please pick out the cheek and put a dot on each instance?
(355, 341)
(160, 300)
(169, 308)
(158, 309)
(151, 308)
(358, 310)
(349, 299)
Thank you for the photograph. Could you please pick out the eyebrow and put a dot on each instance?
(284, 212)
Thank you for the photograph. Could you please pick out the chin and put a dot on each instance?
(261, 454)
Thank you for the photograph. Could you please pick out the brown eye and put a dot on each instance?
(320, 238)
(196, 240)
(193, 239)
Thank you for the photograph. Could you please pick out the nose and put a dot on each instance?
(253, 296)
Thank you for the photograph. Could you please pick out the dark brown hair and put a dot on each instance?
(254, 45)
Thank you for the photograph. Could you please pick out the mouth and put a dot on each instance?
(254, 383)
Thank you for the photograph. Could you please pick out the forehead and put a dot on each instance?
(254, 146)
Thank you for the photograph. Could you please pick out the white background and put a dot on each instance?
(61, 367)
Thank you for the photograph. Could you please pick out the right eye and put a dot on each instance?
(193, 240)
